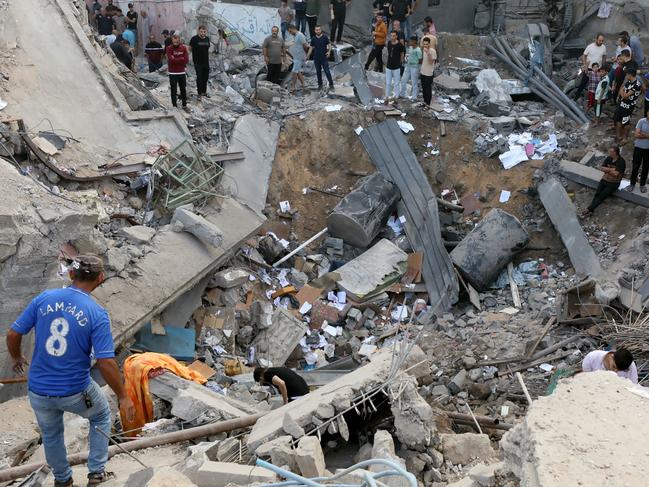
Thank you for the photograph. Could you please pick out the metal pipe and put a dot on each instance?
(536, 87)
(551, 85)
(556, 346)
(291, 254)
(494, 423)
(165, 439)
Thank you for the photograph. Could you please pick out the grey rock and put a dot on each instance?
(291, 427)
(138, 234)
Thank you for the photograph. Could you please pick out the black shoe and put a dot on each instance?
(206, 95)
(99, 478)
(66, 483)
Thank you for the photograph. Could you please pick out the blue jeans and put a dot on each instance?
(300, 22)
(410, 73)
(392, 76)
(49, 414)
(283, 28)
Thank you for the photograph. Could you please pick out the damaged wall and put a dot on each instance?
(33, 226)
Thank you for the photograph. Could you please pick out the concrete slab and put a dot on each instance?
(589, 176)
(372, 271)
(354, 66)
(562, 213)
(256, 137)
(336, 393)
(278, 342)
(220, 474)
(189, 399)
(178, 263)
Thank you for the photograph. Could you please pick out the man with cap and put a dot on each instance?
(70, 330)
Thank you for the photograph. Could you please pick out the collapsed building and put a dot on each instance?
(423, 270)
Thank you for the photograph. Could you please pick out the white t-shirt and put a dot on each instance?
(595, 361)
(594, 54)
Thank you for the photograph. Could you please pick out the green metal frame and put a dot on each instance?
(189, 176)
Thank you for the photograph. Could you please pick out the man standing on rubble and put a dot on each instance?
(595, 52)
(620, 361)
(154, 52)
(311, 13)
(70, 329)
(321, 48)
(131, 19)
(338, 12)
(274, 53)
(380, 34)
(177, 59)
(396, 54)
(105, 23)
(629, 95)
(640, 162)
(199, 45)
(298, 49)
(613, 169)
(290, 385)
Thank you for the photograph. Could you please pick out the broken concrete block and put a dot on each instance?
(461, 449)
(220, 474)
(383, 447)
(414, 423)
(325, 411)
(489, 247)
(261, 314)
(451, 84)
(359, 216)
(355, 314)
(457, 383)
(117, 259)
(277, 342)
(373, 271)
(204, 230)
(280, 452)
(229, 278)
(485, 475)
(489, 81)
(310, 458)
(159, 477)
(437, 459)
(291, 427)
(138, 234)
(228, 449)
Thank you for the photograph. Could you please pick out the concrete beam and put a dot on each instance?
(563, 214)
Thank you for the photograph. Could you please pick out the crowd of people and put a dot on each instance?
(617, 81)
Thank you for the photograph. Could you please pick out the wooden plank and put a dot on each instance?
(516, 297)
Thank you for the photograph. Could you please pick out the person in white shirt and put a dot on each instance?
(595, 52)
(618, 361)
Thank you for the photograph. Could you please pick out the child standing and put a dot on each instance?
(601, 93)
(411, 72)
(594, 78)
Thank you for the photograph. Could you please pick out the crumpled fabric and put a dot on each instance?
(137, 370)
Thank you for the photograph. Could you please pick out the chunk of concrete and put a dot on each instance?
(221, 474)
(204, 230)
(280, 452)
(160, 477)
(189, 399)
(461, 449)
(451, 84)
(325, 411)
(383, 448)
(277, 342)
(229, 278)
(262, 314)
(310, 458)
(414, 423)
(291, 427)
(489, 247)
(457, 383)
(563, 215)
(373, 271)
(138, 234)
(485, 475)
(489, 81)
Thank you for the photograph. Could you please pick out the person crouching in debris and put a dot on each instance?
(613, 169)
(620, 361)
(298, 49)
(177, 59)
(290, 385)
(122, 49)
(70, 329)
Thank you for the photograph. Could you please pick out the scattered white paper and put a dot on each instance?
(251, 277)
(504, 411)
(305, 308)
(358, 130)
(331, 330)
(333, 108)
(400, 313)
(405, 126)
(285, 206)
(546, 367)
(447, 110)
(227, 333)
(402, 219)
(305, 190)
(513, 157)
(284, 243)
(403, 115)
(621, 237)
(429, 144)
(624, 184)
(342, 297)
(504, 196)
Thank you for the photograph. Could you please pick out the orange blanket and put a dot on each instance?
(136, 378)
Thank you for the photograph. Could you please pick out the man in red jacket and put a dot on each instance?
(177, 59)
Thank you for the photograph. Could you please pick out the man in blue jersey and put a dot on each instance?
(70, 329)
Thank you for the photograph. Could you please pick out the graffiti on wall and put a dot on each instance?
(253, 23)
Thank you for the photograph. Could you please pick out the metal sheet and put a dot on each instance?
(354, 66)
(389, 151)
